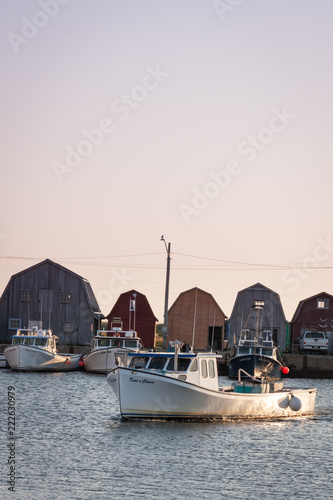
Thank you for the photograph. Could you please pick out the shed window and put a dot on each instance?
(68, 327)
(65, 297)
(259, 303)
(14, 324)
(323, 303)
(25, 296)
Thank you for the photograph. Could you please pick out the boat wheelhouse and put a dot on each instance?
(104, 343)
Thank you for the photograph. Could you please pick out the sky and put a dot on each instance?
(206, 121)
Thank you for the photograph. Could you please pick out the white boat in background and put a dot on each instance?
(35, 349)
(172, 385)
(106, 344)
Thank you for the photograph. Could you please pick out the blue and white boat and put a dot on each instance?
(173, 385)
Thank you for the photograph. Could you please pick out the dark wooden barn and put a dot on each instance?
(135, 313)
(259, 294)
(49, 296)
(196, 318)
(314, 313)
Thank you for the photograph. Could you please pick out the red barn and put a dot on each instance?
(314, 313)
(136, 314)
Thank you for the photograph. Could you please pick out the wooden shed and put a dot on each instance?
(314, 313)
(262, 296)
(134, 311)
(48, 295)
(196, 318)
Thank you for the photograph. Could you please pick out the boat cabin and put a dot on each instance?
(248, 337)
(43, 339)
(105, 339)
(195, 368)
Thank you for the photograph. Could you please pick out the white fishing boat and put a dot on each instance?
(172, 385)
(105, 344)
(35, 349)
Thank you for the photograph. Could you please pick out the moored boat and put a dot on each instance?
(185, 386)
(255, 352)
(105, 344)
(35, 349)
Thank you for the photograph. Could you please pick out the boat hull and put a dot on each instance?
(255, 365)
(155, 396)
(20, 357)
(102, 361)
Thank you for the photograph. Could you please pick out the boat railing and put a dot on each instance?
(254, 379)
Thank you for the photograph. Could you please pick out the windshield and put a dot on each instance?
(138, 362)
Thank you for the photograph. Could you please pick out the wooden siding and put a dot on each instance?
(142, 319)
(196, 310)
(245, 300)
(73, 322)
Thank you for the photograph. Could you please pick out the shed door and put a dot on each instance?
(45, 303)
(215, 337)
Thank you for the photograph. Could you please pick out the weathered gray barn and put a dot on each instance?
(49, 296)
(258, 294)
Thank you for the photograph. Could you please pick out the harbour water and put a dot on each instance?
(68, 443)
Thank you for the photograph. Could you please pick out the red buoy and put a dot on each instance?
(68, 361)
(285, 370)
(81, 362)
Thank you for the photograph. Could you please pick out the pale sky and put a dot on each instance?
(209, 122)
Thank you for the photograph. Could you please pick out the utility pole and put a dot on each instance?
(165, 327)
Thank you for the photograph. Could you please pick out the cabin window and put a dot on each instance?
(244, 350)
(65, 298)
(204, 368)
(29, 341)
(157, 363)
(40, 342)
(116, 343)
(259, 303)
(130, 343)
(138, 362)
(183, 364)
(211, 368)
(25, 296)
(103, 343)
(194, 365)
(267, 352)
(323, 303)
(17, 341)
(14, 324)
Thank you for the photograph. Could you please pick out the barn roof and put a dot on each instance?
(199, 290)
(85, 283)
(128, 294)
(258, 287)
(302, 302)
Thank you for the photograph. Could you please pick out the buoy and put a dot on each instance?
(68, 361)
(285, 370)
(81, 362)
(295, 403)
